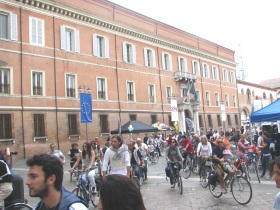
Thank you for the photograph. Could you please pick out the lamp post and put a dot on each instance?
(85, 105)
(223, 113)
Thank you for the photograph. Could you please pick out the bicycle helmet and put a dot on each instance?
(226, 152)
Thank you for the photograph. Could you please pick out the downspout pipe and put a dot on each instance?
(202, 97)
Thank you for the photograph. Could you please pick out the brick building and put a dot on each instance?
(133, 64)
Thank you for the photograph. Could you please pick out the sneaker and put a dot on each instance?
(93, 190)
(224, 190)
(172, 185)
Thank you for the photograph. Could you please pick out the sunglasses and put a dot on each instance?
(173, 142)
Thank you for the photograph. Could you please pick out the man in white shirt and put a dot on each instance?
(118, 156)
(56, 153)
(144, 151)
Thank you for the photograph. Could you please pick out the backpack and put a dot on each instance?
(212, 178)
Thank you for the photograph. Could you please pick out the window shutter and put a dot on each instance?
(133, 53)
(94, 44)
(124, 52)
(107, 49)
(154, 59)
(14, 34)
(62, 38)
(162, 60)
(145, 57)
(179, 64)
(170, 62)
(77, 41)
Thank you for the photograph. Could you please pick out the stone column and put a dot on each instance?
(195, 118)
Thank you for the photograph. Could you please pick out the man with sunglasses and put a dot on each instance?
(217, 160)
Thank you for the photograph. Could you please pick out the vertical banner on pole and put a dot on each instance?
(174, 111)
(223, 110)
(86, 107)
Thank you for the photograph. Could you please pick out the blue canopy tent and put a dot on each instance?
(270, 113)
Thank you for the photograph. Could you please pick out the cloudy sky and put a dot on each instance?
(245, 26)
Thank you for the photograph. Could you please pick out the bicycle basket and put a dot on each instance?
(213, 178)
(167, 171)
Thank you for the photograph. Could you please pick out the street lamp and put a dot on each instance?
(85, 105)
(223, 112)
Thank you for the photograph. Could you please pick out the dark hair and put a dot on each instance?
(51, 165)
(73, 145)
(88, 150)
(276, 161)
(184, 137)
(119, 139)
(118, 192)
(227, 133)
(265, 133)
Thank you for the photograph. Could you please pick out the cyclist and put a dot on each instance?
(144, 151)
(136, 160)
(44, 180)
(204, 150)
(173, 155)
(6, 186)
(87, 159)
(217, 160)
(118, 156)
(241, 148)
(186, 146)
(73, 153)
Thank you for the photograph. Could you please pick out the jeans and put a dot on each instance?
(171, 168)
(265, 163)
(138, 171)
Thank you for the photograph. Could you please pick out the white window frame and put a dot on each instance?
(10, 79)
(150, 57)
(215, 73)
(75, 84)
(36, 35)
(168, 96)
(226, 100)
(100, 46)
(182, 64)
(104, 85)
(196, 71)
(166, 61)
(225, 75)
(75, 39)
(133, 91)
(205, 70)
(12, 26)
(232, 77)
(217, 99)
(207, 98)
(129, 53)
(152, 96)
(43, 82)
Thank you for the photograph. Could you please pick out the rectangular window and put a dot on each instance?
(149, 57)
(168, 94)
(236, 119)
(37, 83)
(129, 53)
(5, 126)
(232, 77)
(39, 125)
(70, 86)
(227, 100)
(225, 76)
(210, 123)
(70, 39)
(104, 126)
(182, 64)
(36, 31)
(215, 73)
(8, 26)
(216, 99)
(205, 71)
(100, 46)
(200, 120)
(130, 91)
(4, 81)
(219, 119)
(166, 61)
(228, 119)
(234, 100)
(101, 88)
(196, 69)
(153, 119)
(72, 124)
(151, 93)
(132, 117)
(207, 95)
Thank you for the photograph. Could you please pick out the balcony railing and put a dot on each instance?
(130, 97)
(152, 99)
(71, 92)
(184, 76)
(101, 95)
(5, 88)
(37, 91)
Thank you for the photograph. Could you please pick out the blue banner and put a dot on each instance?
(86, 107)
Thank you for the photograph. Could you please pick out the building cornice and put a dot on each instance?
(242, 82)
(62, 10)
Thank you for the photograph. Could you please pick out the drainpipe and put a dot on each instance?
(21, 85)
(117, 75)
(202, 97)
(55, 88)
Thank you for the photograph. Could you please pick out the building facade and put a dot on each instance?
(133, 64)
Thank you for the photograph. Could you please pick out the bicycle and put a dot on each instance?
(189, 165)
(18, 205)
(83, 189)
(254, 166)
(134, 178)
(206, 167)
(239, 187)
(240, 164)
(177, 178)
(153, 159)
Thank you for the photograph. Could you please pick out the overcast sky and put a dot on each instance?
(247, 26)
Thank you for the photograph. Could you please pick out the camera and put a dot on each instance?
(14, 153)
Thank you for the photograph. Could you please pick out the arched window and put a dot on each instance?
(264, 95)
(248, 94)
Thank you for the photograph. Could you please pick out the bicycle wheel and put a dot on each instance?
(80, 192)
(216, 190)
(136, 181)
(186, 172)
(257, 171)
(92, 197)
(17, 206)
(241, 190)
(203, 176)
(245, 171)
(180, 184)
(254, 171)
(194, 166)
(156, 157)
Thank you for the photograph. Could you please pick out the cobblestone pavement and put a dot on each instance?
(158, 195)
